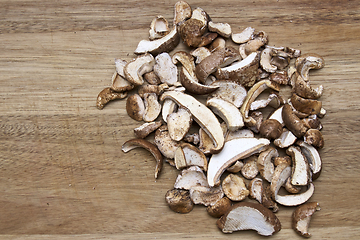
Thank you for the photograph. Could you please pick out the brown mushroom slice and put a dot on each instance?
(202, 115)
(164, 44)
(192, 85)
(227, 112)
(307, 106)
(217, 44)
(152, 107)
(291, 188)
(159, 27)
(265, 60)
(296, 199)
(137, 142)
(313, 157)
(219, 208)
(286, 139)
(191, 177)
(106, 95)
(182, 12)
(265, 163)
(234, 187)
(281, 174)
(200, 53)
(252, 94)
(179, 123)
(120, 84)
(165, 144)
(249, 216)
(188, 155)
(165, 69)
(314, 137)
(119, 66)
(305, 90)
(239, 134)
(223, 29)
(256, 189)
(280, 77)
(134, 70)
(271, 129)
(186, 60)
(145, 129)
(293, 122)
(205, 195)
(157, 89)
(301, 218)
(215, 60)
(193, 29)
(300, 175)
(135, 107)
(308, 61)
(230, 91)
(267, 200)
(233, 150)
(179, 200)
(250, 169)
(243, 36)
(244, 72)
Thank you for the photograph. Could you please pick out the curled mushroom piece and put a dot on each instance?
(256, 189)
(145, 129)
(259, 40)
(244, 36)
(301, 218)
(265, 163)
(300, 175)
(227, 111)
(296, 199)
(202, 115)
(223, 29)
(293, 122)
(308, 61)
(253, 93)
(192, 85)
(137, 142)
(305, 90)
(233, 150)
(307, 106)
(248, 215)
(152, 107)
(107, 95)
(265, 60)
(135, 107)
(164, 44)
(313, 157)
(179, 200)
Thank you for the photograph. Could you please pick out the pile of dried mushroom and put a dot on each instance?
(233, 151)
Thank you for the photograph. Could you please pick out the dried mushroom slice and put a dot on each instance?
(243, 36)
(230, 91)
(249, 216)
(145, 129)
(256, 189)
(165, 144)
(135, 107)
(234, 187)
(159, 27)
(179, 200)
(107, 95)
(182, 12)
(227, 111)
(250, 169)
(233, 150)
(179, 123)
(223, 29)
(205, 195)
(301, 218)
(265, 163)
(152, 107)
(313, 158)
(191, 177)
(165, 69)
(296, 199)
(192, 85)
(188, 155)
(286, 139)
(137, 142)
(120, 84)
(300, 175)
(219, 208)
(134, 69)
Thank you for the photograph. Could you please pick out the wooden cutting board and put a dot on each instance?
(62, 172)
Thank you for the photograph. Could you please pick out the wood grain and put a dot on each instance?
(62, 172)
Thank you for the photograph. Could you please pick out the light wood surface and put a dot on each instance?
(62, 172)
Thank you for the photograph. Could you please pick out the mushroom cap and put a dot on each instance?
(179, 200)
